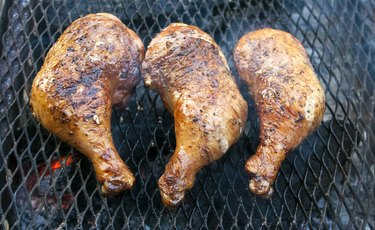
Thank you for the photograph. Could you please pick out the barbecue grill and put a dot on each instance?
(327, 182)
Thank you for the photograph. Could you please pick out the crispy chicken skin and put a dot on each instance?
(187, 68)
(93, 66)
(289, 99)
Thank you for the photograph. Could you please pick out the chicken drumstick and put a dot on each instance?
(187, 68)
(289, 99)
(94, 64)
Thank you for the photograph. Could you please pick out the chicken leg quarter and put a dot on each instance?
(94, 64)
(187, 68)
(289, 99)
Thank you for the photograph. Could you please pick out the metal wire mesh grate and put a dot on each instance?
(327, 182)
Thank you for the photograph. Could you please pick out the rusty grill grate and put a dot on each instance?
(328, 182)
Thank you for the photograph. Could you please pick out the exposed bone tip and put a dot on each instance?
(261, 187)
(171, 195)
(172, 201)
(112, 188)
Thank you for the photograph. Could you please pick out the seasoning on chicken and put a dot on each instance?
(93, 66)
(187, 68)
(289, 99)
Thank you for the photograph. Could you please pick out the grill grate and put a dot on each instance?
(327, 182)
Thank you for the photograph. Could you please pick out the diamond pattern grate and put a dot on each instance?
(328, 182)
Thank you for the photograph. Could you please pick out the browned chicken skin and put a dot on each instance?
(94, 64)
(289, 99)
(186, 67)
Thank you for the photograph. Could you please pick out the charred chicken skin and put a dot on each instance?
(187, 68)
(93, 66)
(289, 99)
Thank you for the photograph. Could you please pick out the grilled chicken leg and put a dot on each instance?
(94, 64)
(187, 68)
(289, 99)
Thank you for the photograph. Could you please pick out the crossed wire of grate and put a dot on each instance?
(327, 182)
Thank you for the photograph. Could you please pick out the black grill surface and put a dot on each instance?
(327, 182)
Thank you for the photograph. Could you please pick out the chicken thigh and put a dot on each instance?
(187, 68)
(93, 66)
(289, 99)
